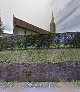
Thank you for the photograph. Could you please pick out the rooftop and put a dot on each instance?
(26, 25)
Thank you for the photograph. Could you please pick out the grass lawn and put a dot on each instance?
(37, 84)
(44, 55)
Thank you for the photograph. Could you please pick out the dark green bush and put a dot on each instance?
(40, 41)
(23, 42)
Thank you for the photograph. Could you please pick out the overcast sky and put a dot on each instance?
(38, 13)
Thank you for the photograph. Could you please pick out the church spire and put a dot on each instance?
(52, 13)
(52, 24)
(52, 20)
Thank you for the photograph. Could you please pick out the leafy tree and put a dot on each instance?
(76, 40)
(1, 27)
(69, 39)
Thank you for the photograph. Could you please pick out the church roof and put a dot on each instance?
(23, 24)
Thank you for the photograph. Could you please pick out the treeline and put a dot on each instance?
(59, 40)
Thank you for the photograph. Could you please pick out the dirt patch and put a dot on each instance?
(40, 72)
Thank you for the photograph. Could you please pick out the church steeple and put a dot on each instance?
(52, 24)
(52, 21)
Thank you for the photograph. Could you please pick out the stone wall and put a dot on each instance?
(40, 72)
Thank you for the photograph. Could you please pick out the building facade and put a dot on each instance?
(21, 27)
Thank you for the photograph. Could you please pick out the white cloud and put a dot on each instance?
(70, 17)
(58, 5)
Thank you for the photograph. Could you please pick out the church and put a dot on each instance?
(21, 27)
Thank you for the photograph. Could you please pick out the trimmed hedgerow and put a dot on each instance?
(39, 41)
(23, 42)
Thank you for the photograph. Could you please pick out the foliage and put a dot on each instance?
(41, 41)
(42, 55)
(23, 42)
(1, 27)
(76, 40)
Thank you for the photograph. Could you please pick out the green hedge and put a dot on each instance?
(59, 40)
(23, 42)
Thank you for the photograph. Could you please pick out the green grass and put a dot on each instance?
(44, 55)
(37, 84)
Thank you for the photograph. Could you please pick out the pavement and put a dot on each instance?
(39, 90)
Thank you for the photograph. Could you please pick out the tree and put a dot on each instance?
(76, 40)
(1, 27)
(68, 39)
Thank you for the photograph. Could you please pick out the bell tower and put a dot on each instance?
(52, 25)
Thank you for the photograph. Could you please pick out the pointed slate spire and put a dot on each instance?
(52, 24)
(52, 20)
(52, 13)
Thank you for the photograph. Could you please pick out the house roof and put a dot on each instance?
(23, 24)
